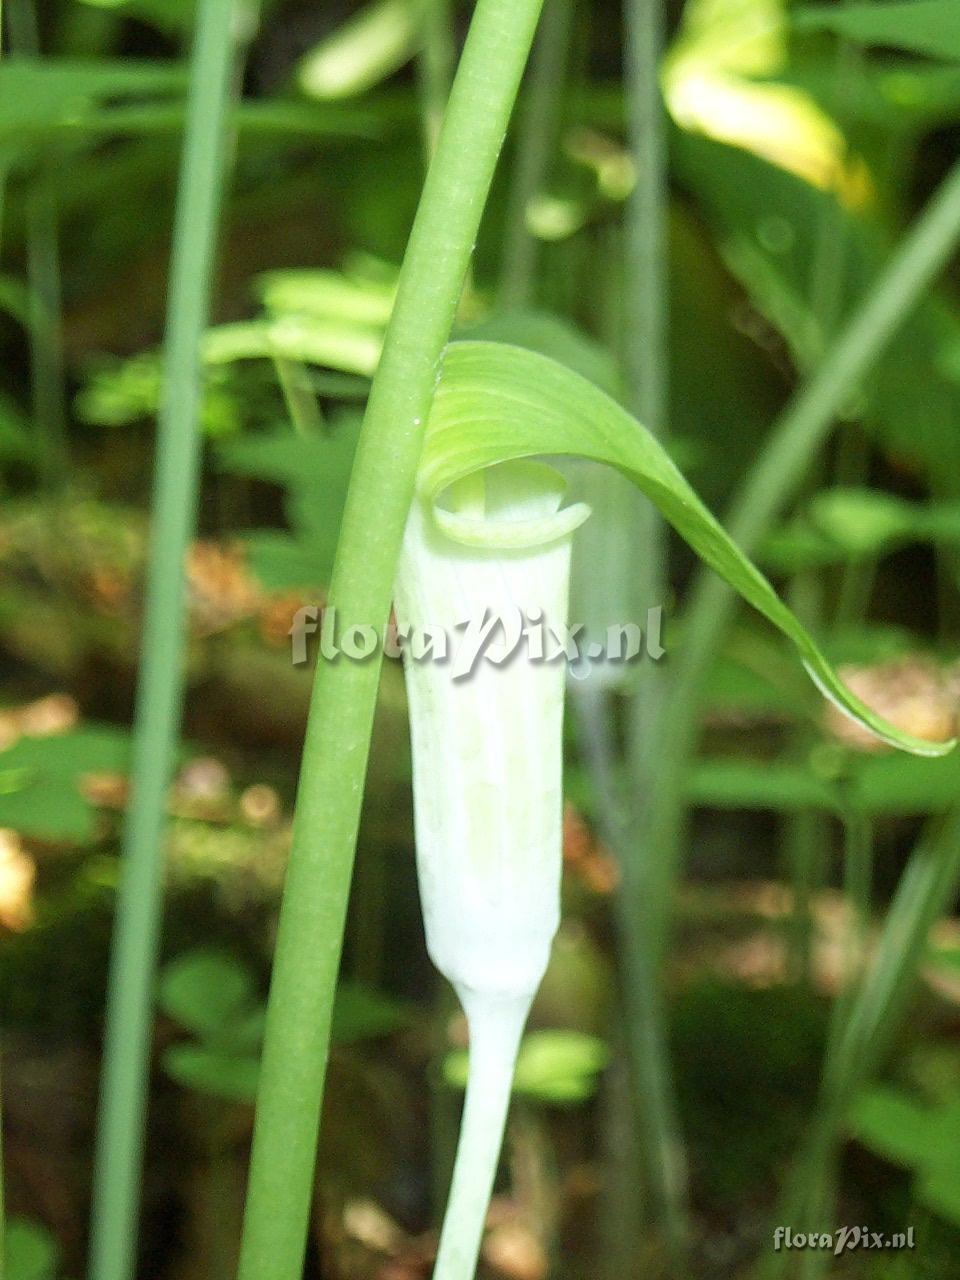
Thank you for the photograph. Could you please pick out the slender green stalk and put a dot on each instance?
(120, 1134)
(796, 436)
(646, 361)
(47, 371)
(338, 732)
(536, 142)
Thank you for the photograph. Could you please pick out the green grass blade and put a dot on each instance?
(130, 993)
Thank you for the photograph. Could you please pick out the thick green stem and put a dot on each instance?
(338, 732)
(647, 369)
(495, 1030)
(120, 1134)
(796, 436)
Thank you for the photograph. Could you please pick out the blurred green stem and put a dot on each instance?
(120, 1135)
(646, 362)
(45, 326)
(794, 439)
(337, 741)
(435, 67)
(539, 121)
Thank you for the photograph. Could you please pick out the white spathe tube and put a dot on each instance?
(487, 743)
(487, 776)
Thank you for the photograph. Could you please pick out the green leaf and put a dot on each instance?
(920, 26)
(862, 521)
(37, 93)
(559, 1067)
(901, 784)
(224, 1075)
(281, 562)
(206, 990)
(757, 784)
(360, 1013)
(315, 471)
(335, 343)
(40, 792)
(894, 1126)
(328, 295)
(172, 16)
(866, 521)
(541, 331)
(946, 958)
(497, 402)
(939, 1190)
(31, 1252)
(368, 48)
(765, 224)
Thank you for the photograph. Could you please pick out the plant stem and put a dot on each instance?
(495, 1031)
(47, 373)
(536, 142)
(120, 1137)
(647, 377)
(795, 437)
(435, 68)
(337, 742)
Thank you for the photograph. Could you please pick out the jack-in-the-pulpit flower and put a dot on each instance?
(487, 743)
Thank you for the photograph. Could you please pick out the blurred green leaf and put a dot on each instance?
(328, 295)
(878, 784)
(862, 521)
(280, 562)
(361, 1013)
(211, 1071)
(896, 1127)
(368, 48)
(946, 957)
(315, 471)
(41, 796)
(892, 784)
(333, 344)
(939, 1190)
(559, 1067)
(760, 784)
(31, 1251)
(206, 991)
(37, 93)
(921, 26)
(766, 221)
(922, 1138)
(172, 16)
